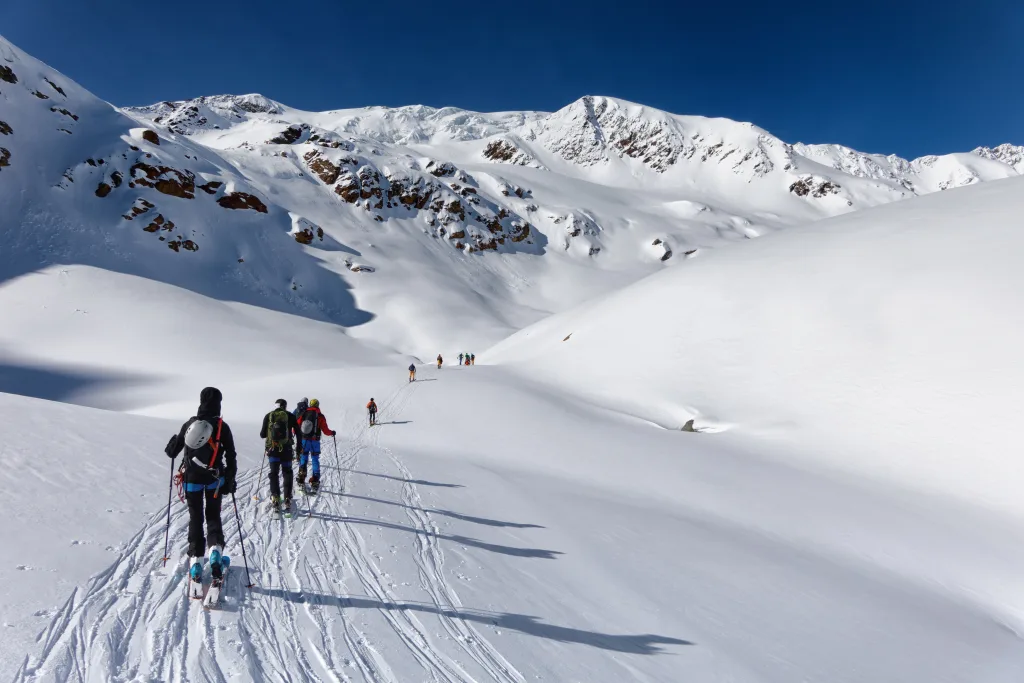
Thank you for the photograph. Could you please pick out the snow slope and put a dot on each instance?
(587, 547)
(883, 342)
(540, 517)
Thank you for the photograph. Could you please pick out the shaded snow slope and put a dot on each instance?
(884, 342)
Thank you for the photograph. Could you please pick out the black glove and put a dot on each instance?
(228, 487)
(171, 448)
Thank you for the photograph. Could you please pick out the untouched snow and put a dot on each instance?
(849, 513)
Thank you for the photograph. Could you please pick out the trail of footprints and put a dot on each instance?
(133, 622)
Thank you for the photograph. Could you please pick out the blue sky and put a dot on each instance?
(898, 76)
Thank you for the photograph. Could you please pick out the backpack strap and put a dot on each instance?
(216, 443)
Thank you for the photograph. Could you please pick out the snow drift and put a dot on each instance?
(885, 342)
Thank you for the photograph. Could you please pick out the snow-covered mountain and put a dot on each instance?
(506, 217)
(849, 513)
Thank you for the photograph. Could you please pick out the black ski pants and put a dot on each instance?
(281, 466)
(214, 530)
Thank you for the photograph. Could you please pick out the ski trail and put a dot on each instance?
(133, 621)
(430, 560)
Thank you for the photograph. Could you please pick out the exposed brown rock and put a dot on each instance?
(494, 225)
(455, 208)
(40, 95)
(500, 150)
(211, 187)
(667, 255)
(323, 168)
(806, 186)
(103, 190)
(5, 157)
(348, 187)
(304, 236)
(7, 75)
(520, 232)
(151, 136)
(5, 128)
(169, 181)
(461, 234)
(116, 178)
(242, 200)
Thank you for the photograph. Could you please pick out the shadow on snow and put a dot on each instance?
(643, 644)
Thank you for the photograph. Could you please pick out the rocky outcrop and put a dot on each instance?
(322, 167)
(242, 200)
(164, 179)
(7, 75)
(140, 207)
(103, 190)
(5, 128)
(5, 157)
(443, 170)
(504, 151)
(211, 187)
(288, 136)
(151, 136)
(814, 187)
(65, 112)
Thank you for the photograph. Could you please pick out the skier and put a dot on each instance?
(207, 472)
(412, 372)
(278, 427)
(312, 424)
(472, 357)
(460, 359)
(439, 361)
(371, 408)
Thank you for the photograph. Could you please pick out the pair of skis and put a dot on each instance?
(211, 594)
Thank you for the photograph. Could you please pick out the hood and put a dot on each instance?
(209, 402)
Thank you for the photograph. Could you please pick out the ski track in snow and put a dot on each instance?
(134, 621)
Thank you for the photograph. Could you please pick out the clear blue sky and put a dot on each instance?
(899, 76)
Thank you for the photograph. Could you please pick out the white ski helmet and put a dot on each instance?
(198, 434)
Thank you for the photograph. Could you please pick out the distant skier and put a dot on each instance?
(460, 359)
(472, 358)
(467, 359)
(412, 372)
(278, 427)
(312, 424)
(207, 473)
(371, 408)
(439, 361)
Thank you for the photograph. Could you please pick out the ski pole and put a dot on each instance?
(259, 481)
(241, 541)
(167, 534)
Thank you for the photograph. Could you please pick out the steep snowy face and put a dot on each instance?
(206, 113)
(1011, 155)
(593, 130)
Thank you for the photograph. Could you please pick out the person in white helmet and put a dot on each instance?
(208, 474)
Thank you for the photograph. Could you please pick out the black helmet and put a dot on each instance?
(371, 398)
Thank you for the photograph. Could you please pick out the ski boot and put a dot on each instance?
(300, 477)
(286, 507)
(314, 483)
(275, 503)
(195, 578)
(215, 563)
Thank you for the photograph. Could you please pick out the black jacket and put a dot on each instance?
(226, 463)
(293, 425)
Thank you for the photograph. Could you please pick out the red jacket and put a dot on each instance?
(321, 426)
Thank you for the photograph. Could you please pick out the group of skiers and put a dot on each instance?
(210, 465)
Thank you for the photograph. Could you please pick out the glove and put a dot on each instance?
(170, 449)
(228, 487)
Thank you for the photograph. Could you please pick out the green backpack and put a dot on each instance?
(277, 430)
